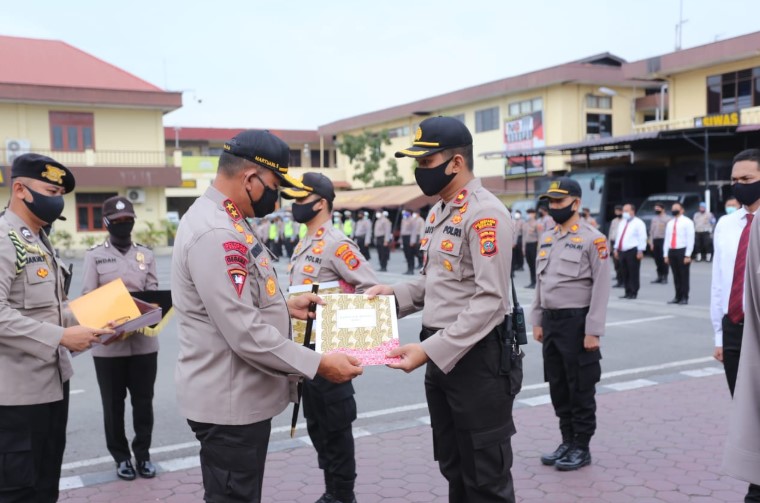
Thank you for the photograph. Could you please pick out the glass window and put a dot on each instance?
(599, 125)
(525, 107)
(605, 102)
(71, 131)
(89, 210)
(514, 109)
(538, 104)
(487, 119)
(733, 91)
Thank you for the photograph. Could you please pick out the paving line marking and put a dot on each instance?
(175, 465)
(395, 410)
(65, 483)
(707, 371)
(638, 320)
(76, 391)
(628, 385)
(536, 400)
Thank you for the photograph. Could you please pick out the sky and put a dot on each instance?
(300, 64)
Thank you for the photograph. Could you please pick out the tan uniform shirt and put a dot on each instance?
(406, 226)
(530, 231)
(657, 227)
(104, 263)
(328, 255)
(33, 367)
(418, 228)
(613, 230)
(545, 223)
(383, 229)
(363, 227)
(234, 327)
(517, 230)
(703, 222)
(573, 272)
(464, 286)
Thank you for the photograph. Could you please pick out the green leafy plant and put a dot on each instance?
(62, 239)
(365, 152)
(89, 240)
(152, 236)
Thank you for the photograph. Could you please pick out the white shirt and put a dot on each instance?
(728, 231)
(635, 235)
(684, 235)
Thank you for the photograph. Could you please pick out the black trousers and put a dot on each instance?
(732, 346)
(362, 242)
(631, 268)
(232, 460)
(659, 259)
(32, 441)
(702, 245)
(680, 272)
(275, 246)
(530, 258)
(471, 416)
(329, 410)
(616, 263)
(517, 255)
(572, 373)
(289, 246)
(382, 251)
(420, 256)
(406, 243)
(753, 494)
(115, 376)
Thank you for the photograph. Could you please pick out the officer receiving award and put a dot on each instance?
(358, 326)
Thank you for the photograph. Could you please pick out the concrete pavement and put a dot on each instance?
(659, 439)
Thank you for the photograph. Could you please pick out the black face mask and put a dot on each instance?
(433, 180)
(266, 203)
(746, 193)
(659, 212)
(562, 215)
(120, 229)
(305, 212)
(46, 208)
(675, 213)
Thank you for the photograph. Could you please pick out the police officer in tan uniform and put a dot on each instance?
(34, 359)
(474, 369)
(704, 221)
(530, 244)
(568, 316)
(129, 364)
(363, 233)
(326, 254)
(656, 242)
(383, 237)
(407, 242)
(237, 367)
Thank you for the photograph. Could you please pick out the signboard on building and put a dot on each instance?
(524, 134)
(715, 120)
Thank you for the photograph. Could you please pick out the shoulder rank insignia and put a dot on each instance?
(460, 197)
(463, 209)
(232, 210)
(320, 233)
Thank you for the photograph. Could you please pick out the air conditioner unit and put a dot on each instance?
(136, 196)
(14, 148)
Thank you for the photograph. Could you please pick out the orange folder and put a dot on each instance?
(110, 302)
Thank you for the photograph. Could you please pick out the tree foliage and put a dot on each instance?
(365, 152)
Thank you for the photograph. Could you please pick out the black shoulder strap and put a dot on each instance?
(514, 293)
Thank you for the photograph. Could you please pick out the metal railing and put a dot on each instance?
(91, 157)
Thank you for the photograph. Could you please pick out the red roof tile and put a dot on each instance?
(54, 63)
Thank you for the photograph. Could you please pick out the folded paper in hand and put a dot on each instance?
(112, 302)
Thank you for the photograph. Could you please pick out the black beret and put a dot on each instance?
(42, 167)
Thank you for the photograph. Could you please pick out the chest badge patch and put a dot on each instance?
(264, 262)
(308, 268)
(42, 273)
(456, 219)
(447, 245)
(542, 254)
(317, 250)
(26, 233)
(447, 265)
(432, 218)
(271, 286)
(237, 277)
(307, 281)
(576, 240)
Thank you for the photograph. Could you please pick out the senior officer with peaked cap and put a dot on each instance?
(568, 316)
(237, 366)
(474, 369)
(327, 254)
(34, 366)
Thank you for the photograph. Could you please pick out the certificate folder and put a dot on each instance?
(160, 298)
(112, 302)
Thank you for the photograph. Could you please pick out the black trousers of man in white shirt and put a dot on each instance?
(680, 273)
(631, 268)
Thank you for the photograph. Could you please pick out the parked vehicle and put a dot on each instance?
(689, 201)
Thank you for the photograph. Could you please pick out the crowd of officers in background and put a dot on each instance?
(281, 234)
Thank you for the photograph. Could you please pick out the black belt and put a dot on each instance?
(560, 314)
(728, 320)
(427, 332)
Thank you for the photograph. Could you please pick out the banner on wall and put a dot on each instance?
(525, 133)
